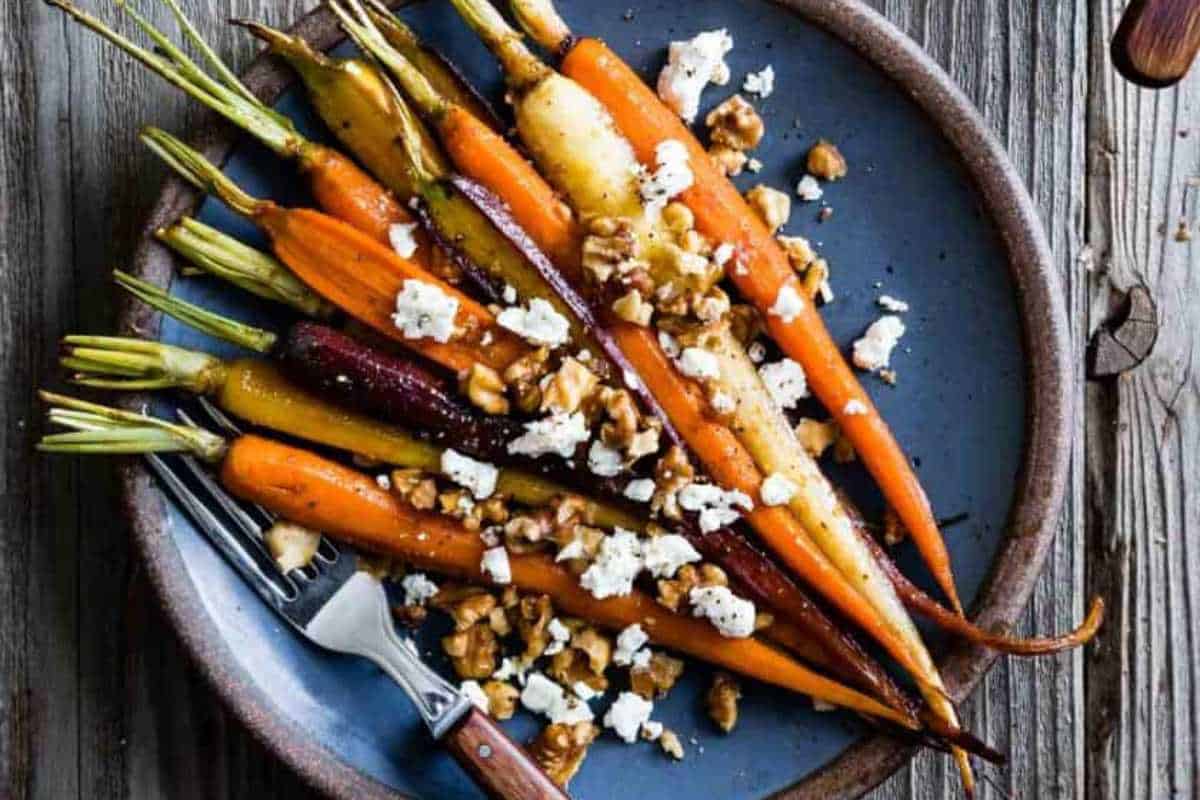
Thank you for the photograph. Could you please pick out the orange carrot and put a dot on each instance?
(323, 495)
(723, 216)
(343, 190)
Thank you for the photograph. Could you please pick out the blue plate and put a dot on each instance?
(925, 215)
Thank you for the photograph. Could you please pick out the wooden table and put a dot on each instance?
(99, 701)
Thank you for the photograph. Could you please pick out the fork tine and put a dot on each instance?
(232, 507)
(222, 537)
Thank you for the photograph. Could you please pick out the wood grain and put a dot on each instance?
(97, 699)
(496, 763)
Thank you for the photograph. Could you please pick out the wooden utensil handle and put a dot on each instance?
(496, 763)
(1156, 41)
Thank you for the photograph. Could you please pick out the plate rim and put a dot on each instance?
(1033, 517)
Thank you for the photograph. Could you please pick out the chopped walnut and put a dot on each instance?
(729, 160)
(632, 307)
(560, 749)
(569, 387)
(669, 742)
(695, 243)
(722, 699)
(472, 652)
(735, 124)
(672, 472)
(745, 323)
(533, 615)
(610, 249)
(458, 503)
(498, 622)
(415, 487)
(291, 545)
(674, 592)
(763, 620)
(656, 678)
(772, 205)
(799, 252)
(484, 387)
(678, 218)
(816, 437)
(625, 429)
(466, 605)
(595, 645)
(522, 377)
(826, 162)
(528, 533)
(711, 306)
(816, 280)
(502, 699)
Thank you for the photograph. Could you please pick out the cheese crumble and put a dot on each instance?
(715, 506)
(425, 311)
(691, 66)
(400, 235)
(495, 565)
(785, 382)
(617, 564)
(627, 715)
(558, 433)
(672, 174)
(874, 350)
(761, 83)
(788, 304)
(477, 476)
(664, 555)
(732, 616)
(538, 324)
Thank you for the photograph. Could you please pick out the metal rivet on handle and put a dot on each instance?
(485, 751)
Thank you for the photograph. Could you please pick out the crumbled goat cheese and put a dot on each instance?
(478, 476)
(543, 696)
(629, 641)
(722, 254)
(583, 691)
(573, 549)
(400, 235)
(424, 310)
(665, 554)
(672, 174)
(632, 382)
(640, 490)
(715, 506)
(559, 636)
(731, 615)
(617, 564)
(854, 406)
(893, 304)
(776, 490)
(652, 731)
(641, 659)
(761, 83)
(474, 692)
(558, 433)
(822, 706)
(785, 382)
(668, 344)
(604, 460)
(538, 324)
(511, 667)
(696, 362)
(757, 352)
(495, 565)
(788, 303)
(874, 349)
(692, 65)
(417, 589)
(626, 716)
(723, 402)
(509, 295)
(809, 190)
(383, 482)
(754, 165)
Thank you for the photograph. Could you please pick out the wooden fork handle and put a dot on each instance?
(1156, 41)
(496, 763)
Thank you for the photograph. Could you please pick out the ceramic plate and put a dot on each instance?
(931, 213)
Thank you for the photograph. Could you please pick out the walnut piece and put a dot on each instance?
(722, 699)
(816, 437)
(799, 252)
(569, 387)
(772, 205)
(560, 749)
(484, 387)
(673, 593)
(826, 162)
(669, 742)
(502, 699)
(633, 308)
(735, 124)
(678, 218)
(656, 678)
(595, 645)
(816, 279)
(415, 487)
(291, 545)
(610, 249)
(472, 652)
(522, 377)
(729, 160)
(672, 472)
(533, 616)
(528, 533)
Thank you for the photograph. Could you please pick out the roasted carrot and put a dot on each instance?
(349, 268)
(325, 496)
(339, 186)
(322, 495)
(723, 215)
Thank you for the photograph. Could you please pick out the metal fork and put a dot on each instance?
(340, 608)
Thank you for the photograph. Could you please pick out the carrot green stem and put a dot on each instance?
(98, 429)
(360, 26)
(114, 362)
(226, 95)
(199, 171)
(223, 256)
(196, 317)
(522, 68)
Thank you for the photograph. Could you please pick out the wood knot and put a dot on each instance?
(1126, 338)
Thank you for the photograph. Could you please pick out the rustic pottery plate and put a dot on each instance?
(932, 213)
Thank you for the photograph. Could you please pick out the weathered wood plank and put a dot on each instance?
(1024, 65)
(1143, 436)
